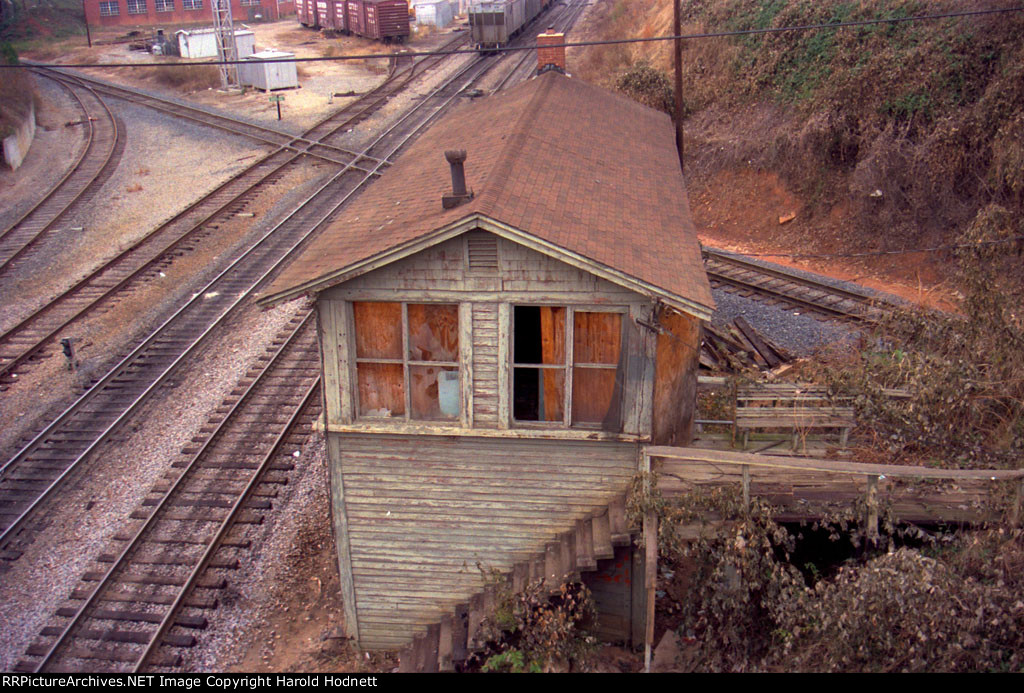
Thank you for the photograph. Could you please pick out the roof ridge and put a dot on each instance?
(518, 135)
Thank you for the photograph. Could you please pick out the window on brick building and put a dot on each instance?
(136, 6)
(192, 4)
(109, 9)
(163, 5)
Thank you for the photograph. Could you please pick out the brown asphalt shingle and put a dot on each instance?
(564, 161)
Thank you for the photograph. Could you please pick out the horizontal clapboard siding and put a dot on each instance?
(427, 514)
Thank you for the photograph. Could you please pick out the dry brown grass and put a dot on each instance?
(186, 77)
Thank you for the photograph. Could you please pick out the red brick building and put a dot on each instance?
(176, 12)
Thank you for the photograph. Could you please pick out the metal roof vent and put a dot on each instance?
(456, 157)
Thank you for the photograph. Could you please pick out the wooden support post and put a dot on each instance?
(872, 511)
(444, 643)
(746, 488)
(650, 568)
(460, 633)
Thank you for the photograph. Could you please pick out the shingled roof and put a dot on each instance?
(565, 167)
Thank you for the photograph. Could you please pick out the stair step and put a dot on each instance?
(445, 643)
(585, 546)
(460, 633)
(602, 532)
(617, 522)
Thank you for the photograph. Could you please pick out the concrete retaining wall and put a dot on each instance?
(16, 145)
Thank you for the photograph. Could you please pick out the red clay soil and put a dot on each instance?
(741, 211)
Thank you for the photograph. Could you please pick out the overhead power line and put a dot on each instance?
(574, 44)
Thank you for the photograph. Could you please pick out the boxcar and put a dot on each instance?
(385, 20)
(324, 17)
(306, 11)
(339, 15)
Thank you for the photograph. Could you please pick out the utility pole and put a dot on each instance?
(677, 49)
(227, 51)
(85, 18)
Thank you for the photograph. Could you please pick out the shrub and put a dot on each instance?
(534, 631)
(647, 85)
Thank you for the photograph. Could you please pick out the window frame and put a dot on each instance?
(407, 364)
(163, 5)
(106, 7)
(191, 5)
(136, 7)
(567, 368)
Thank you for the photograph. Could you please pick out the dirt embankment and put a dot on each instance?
(881, 138)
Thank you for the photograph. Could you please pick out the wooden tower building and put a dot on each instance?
(506, 318)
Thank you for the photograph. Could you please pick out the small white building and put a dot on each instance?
(202, 43)
(264, 71)
(439, 13)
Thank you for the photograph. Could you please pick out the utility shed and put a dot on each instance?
(269, 70)
(437, 13)
(202, 43)
(495, 360)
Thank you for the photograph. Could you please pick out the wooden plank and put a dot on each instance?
(830, 466)
(339, 516)
(466, 362)
(766, 352)
(601, 529)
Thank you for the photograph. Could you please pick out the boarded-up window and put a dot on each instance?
(407, 360)
(566, 366)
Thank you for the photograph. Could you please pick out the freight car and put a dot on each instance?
(493, 24)
(306, 11)
(381, 20)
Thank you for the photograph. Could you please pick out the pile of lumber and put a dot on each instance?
(739, 347)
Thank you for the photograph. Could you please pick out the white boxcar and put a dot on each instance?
(202, 43)
(259, 70)
(438, 13)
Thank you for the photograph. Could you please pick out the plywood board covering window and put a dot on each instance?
(407, 360)
(567, 366)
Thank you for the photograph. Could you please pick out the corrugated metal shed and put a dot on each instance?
(202, 43)
(437, 13)
(259, 70)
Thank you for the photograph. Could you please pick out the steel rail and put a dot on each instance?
(63, 186)
(345, 116)
(236, 126)
(84, 399)
(133, 543)
(868, 305)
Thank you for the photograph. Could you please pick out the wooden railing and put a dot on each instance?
(739, 467)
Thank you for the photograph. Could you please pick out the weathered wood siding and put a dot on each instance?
(485, 365)
(675, 386)
(523, 276)
(426, 514)
(439, 273)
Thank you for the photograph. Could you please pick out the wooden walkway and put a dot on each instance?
(805, 488)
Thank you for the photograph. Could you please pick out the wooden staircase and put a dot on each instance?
(450, 642)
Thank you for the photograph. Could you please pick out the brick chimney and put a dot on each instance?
(546, 54)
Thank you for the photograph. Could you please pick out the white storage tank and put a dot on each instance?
(202, 43)
(438, 13)
(259, 71)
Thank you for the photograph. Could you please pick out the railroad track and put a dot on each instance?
(777, 285)
(151, 590)
(60, 450)
(149, 597)
(264, 134)
(32, 336)
(104, 145)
